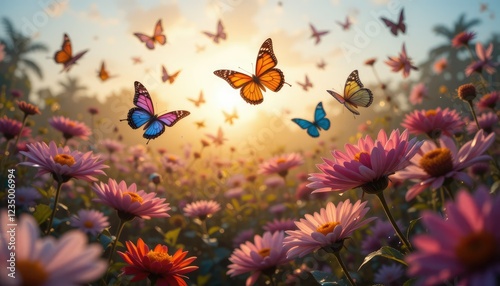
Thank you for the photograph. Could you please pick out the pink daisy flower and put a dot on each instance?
(129, 202)
(304, 193)
(280, 225)
(261, 256)
(489, 101)
(201, 209)
(327, 228)
(433, 122)
(367, 164)
(274, 182)
(68, 260)
(380, 234)
(418, 93)
(487, 121)
(485, 61)
(462, 39)
(403, 62)
(27, 196)
(156, 264)
(242, 237)
(63, 163)
(10, 128)
(462, 245)
(111, 145)
(281, 164)
(389, 275)
(70, 128)
(91, 222)
(440, 65)
(431, 167)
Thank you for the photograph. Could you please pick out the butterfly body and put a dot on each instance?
(395, 27)
(320, 122)
(103, 73)
(355, 95)
(65, 55)
(158, 37)
(266, 76)
(143, 114)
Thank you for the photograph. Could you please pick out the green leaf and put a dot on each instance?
(387, 252)
(411, 226)
(171, 236)
(410, 282)
(213, 230)
(42, 213)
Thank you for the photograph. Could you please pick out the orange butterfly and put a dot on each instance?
(157, 37)
(200, 124)
(266, 75)
(199, 101)
(229, 118)
(103, 74)
(65, 55)
(170, 77)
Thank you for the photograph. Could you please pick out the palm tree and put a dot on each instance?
(71, 87)
(17, 47)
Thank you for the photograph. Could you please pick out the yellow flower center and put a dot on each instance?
(135, 197)
(71, 124)
(32, 272)
(477, 250)
(88, 224)
(357, 156)
(172, 159)
(265, 252)
(161, 257)
(280, 161)
(327, 227)
(64, 159)
(430, 113)
(443, 89)
(437, 162)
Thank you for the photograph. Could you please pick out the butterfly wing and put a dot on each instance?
(158, 35)
(312, 130)
(320, 116)
(142, 99)
(64, 55)
(154, 129)
(103, 73)
(149, 41)
(401, 24)
(355, 93)
(172, 77)
(391, 25)
(221, 34)
(265, 70)
(172, 117)
(137, 117)
(250, 91)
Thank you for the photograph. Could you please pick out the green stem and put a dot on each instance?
(113, 247)
(344, 268)
(400, 234)
(471, 106)
(56, 202)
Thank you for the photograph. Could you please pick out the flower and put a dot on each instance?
(27, 196)
(156, 264)
(129, 202)
(403, 62)
(462, 39)
(90, 221)
(467, 92)
(367, 164)
(263, 255)
(487, 121)
(327, 228)
(70, 128)
(281, 164)
(201, 209)
(27, 108)
(462, 245)
(485, 61)
(370, 61)
(68, 260)
(433, 167)
(389, 274)
(242, 237)
(274, 182)
(16, 93)
(381, 234)
(63, 163)
(304, 193)
(433, 122)
(418, 93)
(488, 101)
(112, 146)
(440, 65)
(280, 225)
(10, 128)
(93, 110)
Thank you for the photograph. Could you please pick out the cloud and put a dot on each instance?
(94, 15)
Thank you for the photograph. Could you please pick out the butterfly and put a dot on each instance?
(395, 27)
(320, 122)
(321, 65)
(266, 75)
(317, 35)
(170, 77)
(200, 124)
(354, 94)
(229, 118)
(144, 114)
(218, 139)
(157, 37)
(305, 86)
(65, 55)
(136, 60)
(103, 74)
(220, 35)
(199, 101)
(346, 25)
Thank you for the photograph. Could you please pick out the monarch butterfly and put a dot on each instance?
(103, 74)
(199, 101)
(144, 113)
(200, 124)
(65, 55)
(396, 26)
(170, 77)
(266, 75)
(219, 35)
(320, 122)
(354, 94)
(157, 37)
(317, 34)
(305, 86)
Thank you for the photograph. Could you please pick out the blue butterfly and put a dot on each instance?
(320, 122)
(144, 113)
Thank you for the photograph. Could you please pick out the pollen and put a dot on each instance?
(327, 227)
(280, 161)
(477, 250)
(265, 252)
(161, 257)
(430, 113)
(64, 159)
(134, 196)
(88, 224)
(437, 162)
(357, 156)
(32, 272)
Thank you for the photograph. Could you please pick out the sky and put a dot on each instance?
(106, 29)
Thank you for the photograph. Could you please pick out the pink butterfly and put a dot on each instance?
(346, 25)
(218, 139)
(321, 65)
(317, 35)
(305, 86)
(220, 35)
(157, 37)
(395, 27)
(170, 77)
